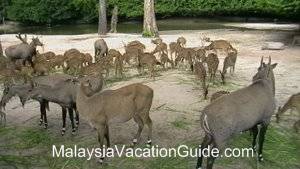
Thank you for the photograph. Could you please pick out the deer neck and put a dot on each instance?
(86, 92)
(32, 45)
(286, 106)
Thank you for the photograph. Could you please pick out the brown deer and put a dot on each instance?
(181, 41)
(212, 62)
(200, 73)
(219, 45)
(164, 59)
(148, 60)
(174, 48)
(293, 102)
(109, 107)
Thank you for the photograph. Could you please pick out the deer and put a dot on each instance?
(200, 73)
(161, 47)
(219, 45)
(212, 62)
(187, 54)
(174, 48)
(149, 60)
(181, 41)
(23, 90)
(101, 48)
(64, 94)
(132, 50)
(292, 103)
(164, 59)
(57, 61)
(239, 111)
(229, 62)
(23, 51)
(105, 108)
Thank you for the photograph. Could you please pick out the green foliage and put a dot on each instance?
(54, 11)
(148, 34)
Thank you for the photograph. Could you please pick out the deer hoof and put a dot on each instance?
(260, 158)
(73, 131)
(63, 131)
(101, 161)
(41, 122)
(134, 142)
(149, 143)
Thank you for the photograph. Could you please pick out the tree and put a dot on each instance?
(114, 20)
(1, 49)
(102, 27)
(150, 28)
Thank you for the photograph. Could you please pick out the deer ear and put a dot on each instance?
(261, 61)
(273, 66)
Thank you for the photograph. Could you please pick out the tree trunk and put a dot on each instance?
(114, 20)
(102, 27)
(1, 49)
(150, 27)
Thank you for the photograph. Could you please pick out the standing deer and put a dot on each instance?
(200, 73)
(101, 49)
(240, 111)
(23, 51)
(212, 62)
(106, 108)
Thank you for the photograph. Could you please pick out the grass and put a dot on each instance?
(180, 123)
(31, 148)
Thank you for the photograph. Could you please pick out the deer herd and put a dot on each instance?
(79, 89)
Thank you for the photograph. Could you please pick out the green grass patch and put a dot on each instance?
(31, 148)
(180, 123)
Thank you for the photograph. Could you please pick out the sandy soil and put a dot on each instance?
(177, 95)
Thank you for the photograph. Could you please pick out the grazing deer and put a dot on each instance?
(164, 59)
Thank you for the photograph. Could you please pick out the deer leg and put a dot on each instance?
(140, 123)
(149, 124)
(211, 159)
(71, 116)
(294, 41)
(297, 126)
(262, 133)
(255, 133)
(76, 117)
(101, 133)
(107, 135)
(64, 114)
(41, 111)
(44, 114)
(206, 141)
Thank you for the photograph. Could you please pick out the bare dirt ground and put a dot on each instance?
(177, 97)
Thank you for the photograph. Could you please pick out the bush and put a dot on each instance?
(55, 11)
